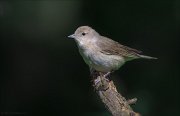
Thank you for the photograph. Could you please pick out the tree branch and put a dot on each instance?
(114, 101)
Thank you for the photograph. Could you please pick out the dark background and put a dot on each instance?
(43, 73)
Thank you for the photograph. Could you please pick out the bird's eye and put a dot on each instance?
(83, 34)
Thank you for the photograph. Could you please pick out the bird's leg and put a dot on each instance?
(102, 77)
(98, 76)
(107, 76)
(101, 82)
(95, 75)
(93, 72)
(97, 81)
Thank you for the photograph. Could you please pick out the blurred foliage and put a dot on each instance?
(43, 73)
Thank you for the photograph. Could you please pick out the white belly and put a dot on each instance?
(102, 62)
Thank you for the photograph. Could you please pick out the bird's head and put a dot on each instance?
(84, 34)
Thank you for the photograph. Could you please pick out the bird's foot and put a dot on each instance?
(93, 73)
(101, 83)
(97, 81)
(100, 79)
(107, 76)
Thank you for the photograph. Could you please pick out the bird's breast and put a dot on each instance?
(99, 61)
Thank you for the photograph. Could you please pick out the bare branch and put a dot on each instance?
(114, 101)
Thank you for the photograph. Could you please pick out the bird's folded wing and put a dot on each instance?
(111, 47)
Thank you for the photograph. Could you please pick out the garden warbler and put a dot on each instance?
(101, 53)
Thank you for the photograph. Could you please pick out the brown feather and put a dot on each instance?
(111, 47)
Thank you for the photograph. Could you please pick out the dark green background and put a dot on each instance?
(43, 73)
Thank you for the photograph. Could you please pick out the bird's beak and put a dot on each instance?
(71, 36)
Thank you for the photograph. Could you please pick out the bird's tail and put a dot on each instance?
(146, 57)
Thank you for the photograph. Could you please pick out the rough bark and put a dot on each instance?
(114, 101)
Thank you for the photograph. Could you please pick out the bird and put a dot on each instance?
(101, 53)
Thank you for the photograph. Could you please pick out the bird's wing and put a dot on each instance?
(111, 47)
